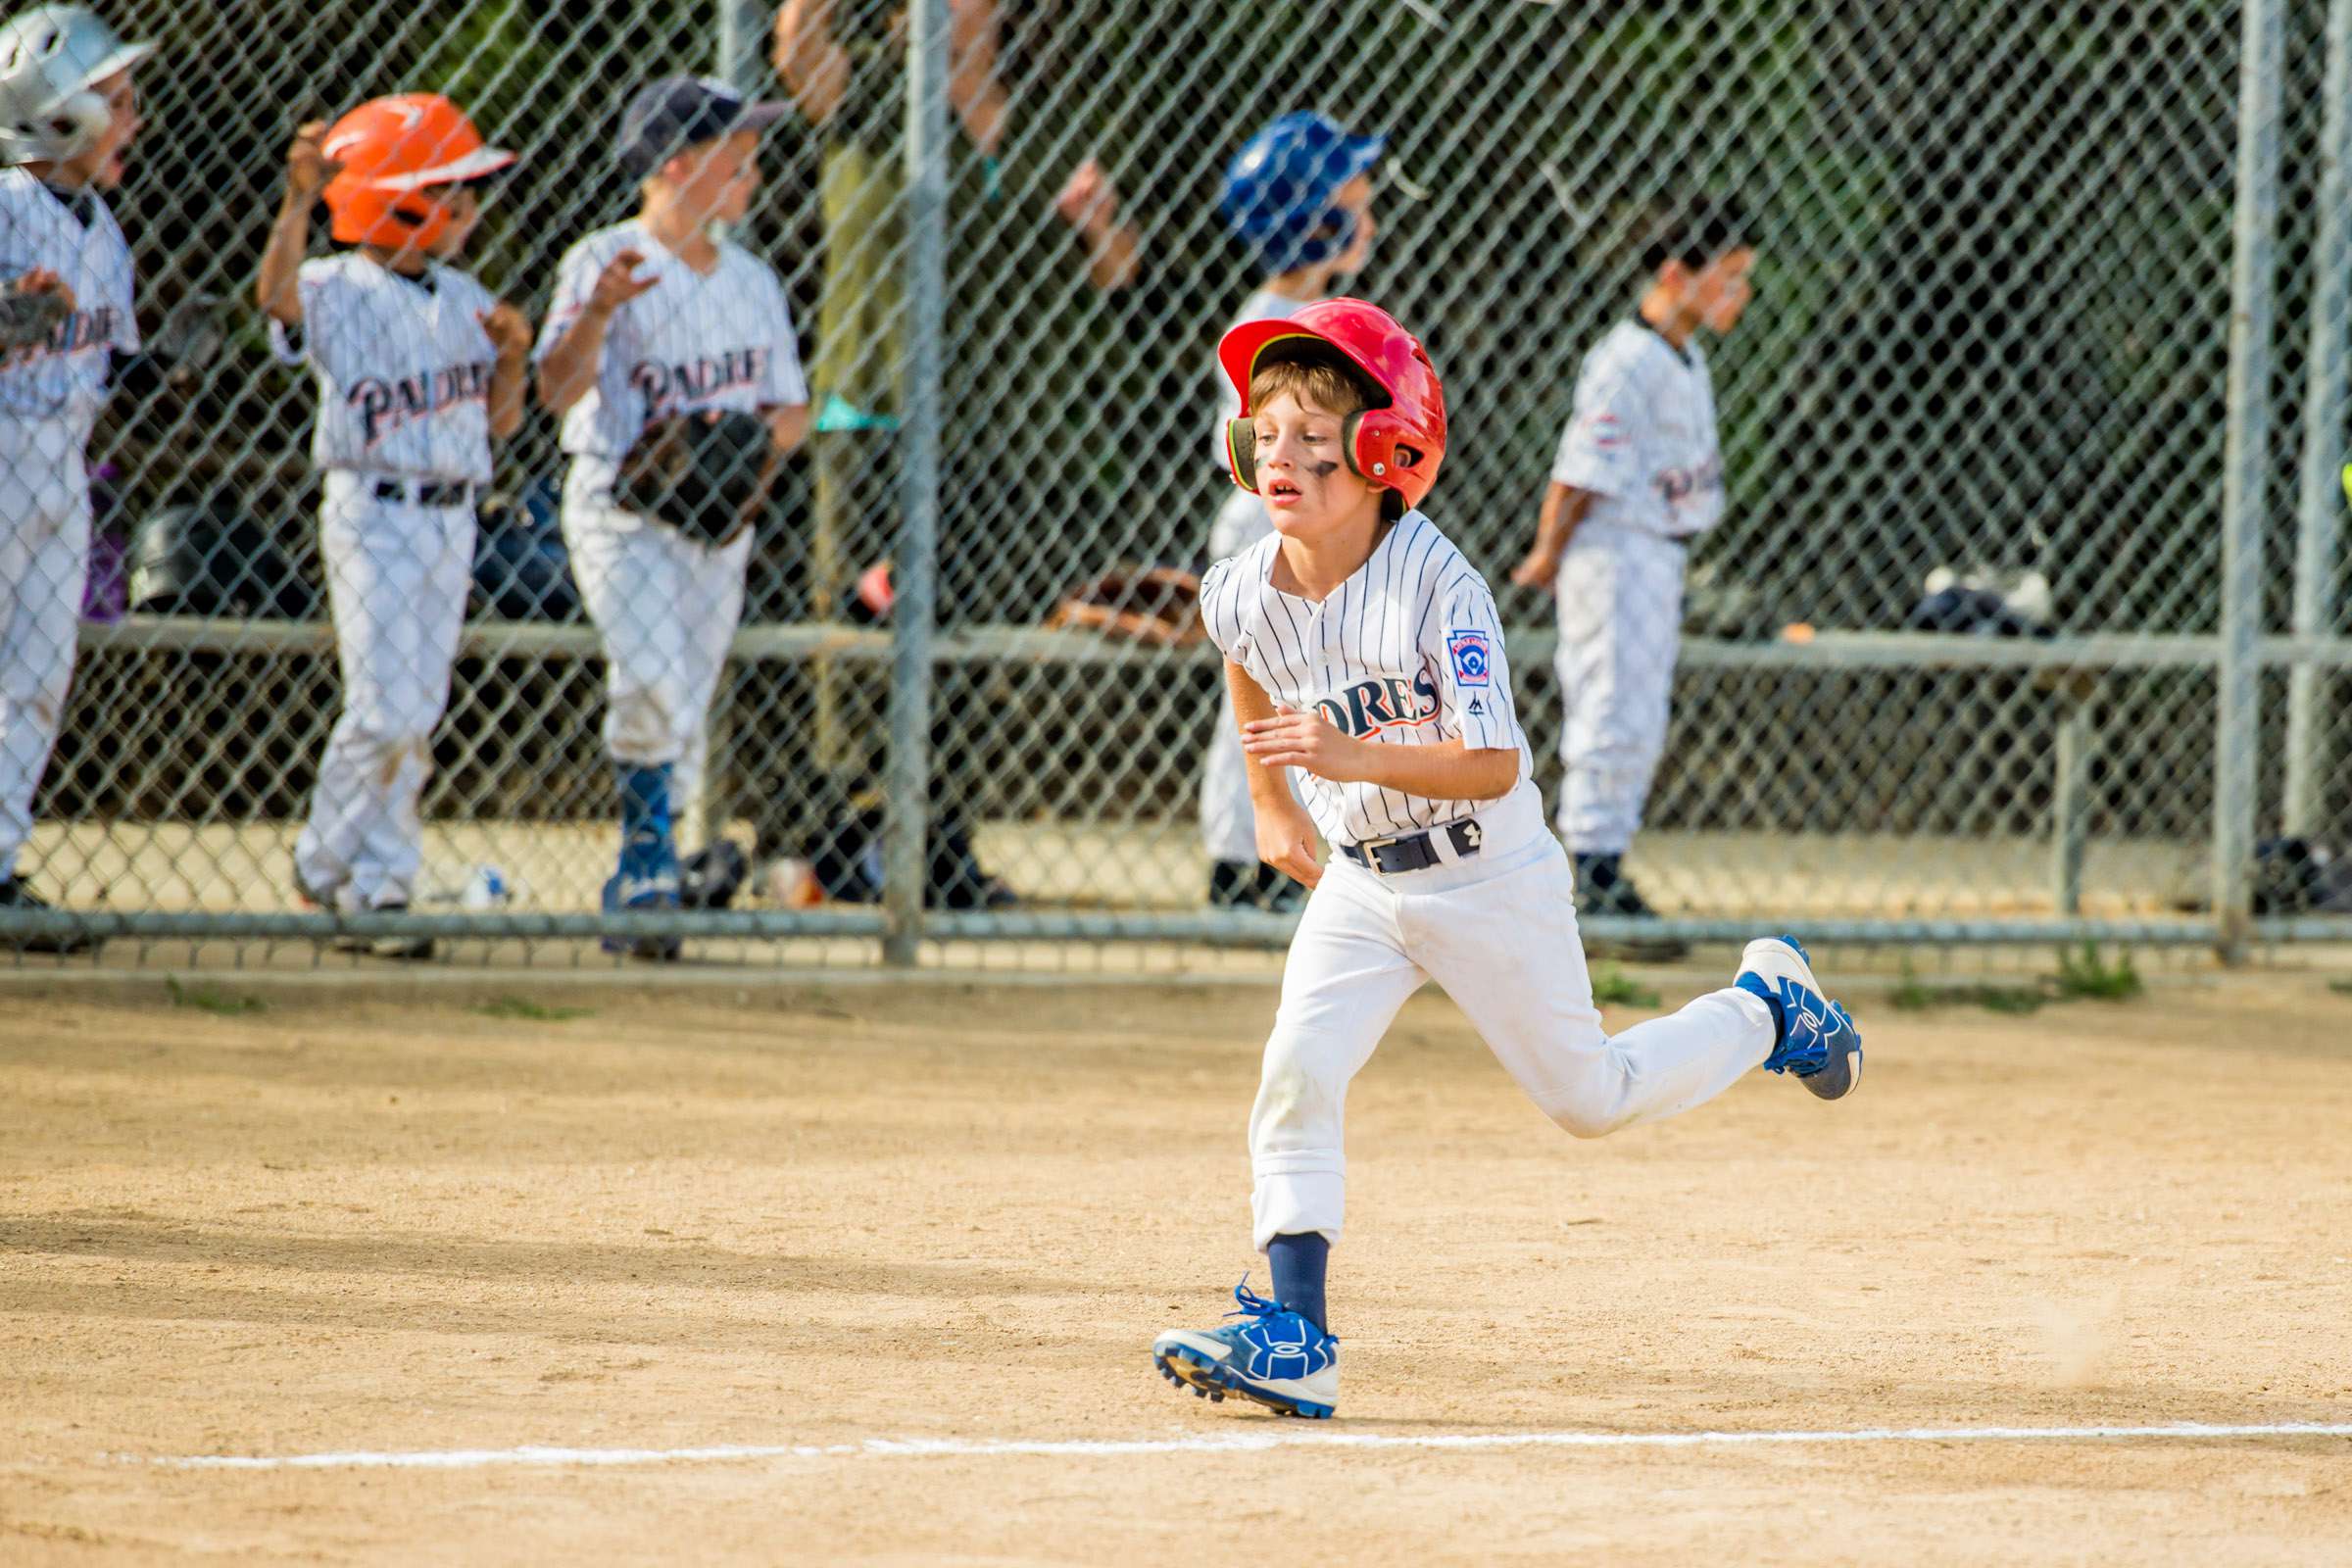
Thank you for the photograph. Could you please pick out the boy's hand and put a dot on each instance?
(1292, 739)
(618, 283)
(307, 167)
(1286, 840)
(509, 329)
(1541, 569)
(41, 280)
(1088, 201)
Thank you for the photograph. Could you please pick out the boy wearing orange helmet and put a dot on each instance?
(419, 368)
(1364, 653)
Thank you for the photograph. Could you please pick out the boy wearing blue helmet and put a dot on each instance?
(1298, 197)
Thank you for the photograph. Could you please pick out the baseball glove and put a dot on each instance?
(30, 317)
(705, 475)
(1156, 605)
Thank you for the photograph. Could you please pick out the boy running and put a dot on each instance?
(1364, 653)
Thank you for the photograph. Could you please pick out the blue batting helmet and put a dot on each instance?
(1278, 189)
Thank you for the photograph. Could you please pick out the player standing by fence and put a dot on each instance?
(67, 114)
(702, 329)
(1298, 194)
(1639, 476)
(419, 368)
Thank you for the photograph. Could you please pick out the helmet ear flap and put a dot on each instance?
(1350, 429)
(1240, 453)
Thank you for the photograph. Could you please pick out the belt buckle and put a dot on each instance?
(1371, 847)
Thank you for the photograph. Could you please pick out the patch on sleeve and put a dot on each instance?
(1605, 431)
(1471, 658)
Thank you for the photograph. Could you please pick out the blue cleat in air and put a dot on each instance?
(646, 882)
(1818, 1041)
(1273, 1356)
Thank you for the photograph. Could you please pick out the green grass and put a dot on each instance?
(532, 1011)
(2086, 975)
(1612, 988)
(212, 999)
(2083, 975)
(2342, 988)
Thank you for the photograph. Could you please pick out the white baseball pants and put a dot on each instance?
(1620, 598)
(1498, 932)
(44, 554)
(397, 578)
(667, 607)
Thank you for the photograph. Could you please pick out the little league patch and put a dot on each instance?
(1470, 658)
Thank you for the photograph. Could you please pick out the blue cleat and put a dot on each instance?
(1273, 1356)
(1818, 1040)
(647, 895)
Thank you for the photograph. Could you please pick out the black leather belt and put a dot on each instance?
(1416, 852)
(423, 492)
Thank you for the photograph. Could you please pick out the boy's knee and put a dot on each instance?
(1581, 1118)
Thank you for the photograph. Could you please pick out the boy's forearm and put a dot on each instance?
(509, 377)
(1445, 771)
(1267, 785)
(570, 362)
(1564, 507)
(275, 290)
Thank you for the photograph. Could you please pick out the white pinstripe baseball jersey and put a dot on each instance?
(403, 364)
(65, 378)
(1642, 437)
(1407, 651)
(687, 344)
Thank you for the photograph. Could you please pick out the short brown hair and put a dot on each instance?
(1315, 373)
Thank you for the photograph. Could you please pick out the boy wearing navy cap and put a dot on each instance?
(653, 318)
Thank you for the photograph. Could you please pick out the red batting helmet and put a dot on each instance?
(392, 150)
(1397, 445)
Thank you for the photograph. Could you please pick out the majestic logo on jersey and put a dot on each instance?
(1371, 706)
(1606, 432)
(665, 387)
(1470, 655)
(384, 405)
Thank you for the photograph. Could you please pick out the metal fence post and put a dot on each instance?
(2319, 503)
(906, 850)
(742, 30)
(2253, 258)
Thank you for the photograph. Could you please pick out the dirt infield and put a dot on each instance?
(845, 1223)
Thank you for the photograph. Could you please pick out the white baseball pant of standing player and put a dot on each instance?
(51, 392)
(1641, 439)
(404, 368)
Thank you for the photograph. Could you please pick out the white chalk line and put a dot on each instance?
(1220, 1442)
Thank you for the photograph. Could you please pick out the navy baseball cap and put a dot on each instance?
(675, 113)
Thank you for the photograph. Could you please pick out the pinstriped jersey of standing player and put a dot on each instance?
(66, 378)
(403, 364)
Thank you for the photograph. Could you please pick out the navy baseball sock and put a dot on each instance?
(646, 850)
(1755, 987)
(1298, 1263)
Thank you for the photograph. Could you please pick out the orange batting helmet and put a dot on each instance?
(392, 149)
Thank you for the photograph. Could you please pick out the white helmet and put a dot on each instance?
(49, 59)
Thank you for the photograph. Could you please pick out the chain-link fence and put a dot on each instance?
(2024, 618)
